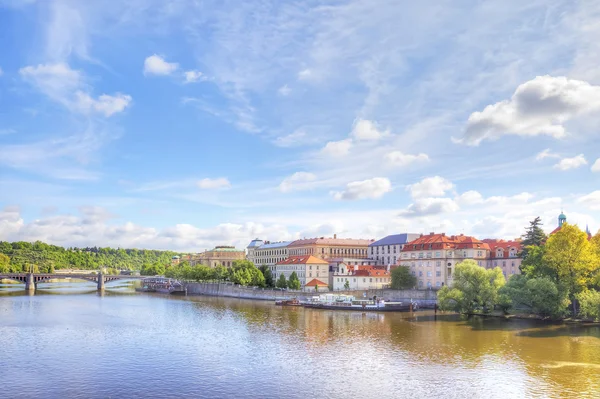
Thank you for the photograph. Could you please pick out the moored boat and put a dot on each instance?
(288, 302)
(162, 285)
(349, 302)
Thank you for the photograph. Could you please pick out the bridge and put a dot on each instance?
(32, 279)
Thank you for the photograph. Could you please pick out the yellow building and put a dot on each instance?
(327, 248)
(220, 255)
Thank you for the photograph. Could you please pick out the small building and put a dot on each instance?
(316, 285)
(506, 255)
(362, 277)
(306, 267)
(175, 260)
(387, 250)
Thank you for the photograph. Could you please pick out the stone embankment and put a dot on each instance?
(236, 291)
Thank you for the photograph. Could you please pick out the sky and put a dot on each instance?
(185, 124)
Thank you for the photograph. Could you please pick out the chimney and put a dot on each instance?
(443, 234)
(335, 236)
(432, 233)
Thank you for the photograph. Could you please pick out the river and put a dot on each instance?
(67, 341)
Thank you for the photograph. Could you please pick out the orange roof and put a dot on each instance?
(505, 245)
(303, 260)
(442, 241)
(315, 282)
(331, 241)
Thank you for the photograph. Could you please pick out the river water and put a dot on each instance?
(67, 341)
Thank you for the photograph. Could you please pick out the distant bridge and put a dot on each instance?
(32, 279)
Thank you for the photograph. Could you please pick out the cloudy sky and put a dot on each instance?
(183, 124)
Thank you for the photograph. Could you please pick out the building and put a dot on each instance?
(432, 257)
(387, 250)
(267, 253)
(220, 255)
(307, 268)
(562, 219)
(326, 248)
(363, 277)
(506, 255)
(175, 260)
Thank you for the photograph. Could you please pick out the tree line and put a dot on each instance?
(560, 277)
(21, 256)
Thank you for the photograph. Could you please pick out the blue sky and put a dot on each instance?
(186, 124)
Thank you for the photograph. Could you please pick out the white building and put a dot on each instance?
(307, 268)
(362, 277)
(387, 250)
(267, 253)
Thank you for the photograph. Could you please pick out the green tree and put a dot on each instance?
(347, 285)
(294, 282)
(534, 235)
(220, 272)
(572, 260)
(474, 287)
(4, 264)
(281, 282)
(539, 295)
(266, 271)
(244, 272)
(589, 302)
(402, 278)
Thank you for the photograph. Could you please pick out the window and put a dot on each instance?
(420, 274)
(438, 284)
(438, 274)
(438, 264)
(420, 255)
(429, 254)
(420, 283)
(428, 274)
(438, 254)
(370, 280)
(364, 280)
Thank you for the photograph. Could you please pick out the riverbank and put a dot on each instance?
(236, 291)
(531, 316)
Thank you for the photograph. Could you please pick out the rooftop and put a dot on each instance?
(303, 260)
(272, 245)
(396, 239)
(332, 241)
(315, 282)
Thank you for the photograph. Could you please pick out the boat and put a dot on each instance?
(349, 302)
(288, 302)
(162, 285)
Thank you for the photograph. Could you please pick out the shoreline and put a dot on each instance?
(528, 316)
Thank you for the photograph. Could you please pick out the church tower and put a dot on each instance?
(561, 219)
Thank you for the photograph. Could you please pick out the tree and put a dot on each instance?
(534, 235)
(402, 278)
(571, 259)
(539, 295)
(4, 264)
(589, 302)
(281, 282)
(244, 272)
(266, 271)
(347, 285)
(220, 272)
(294, 282)
(474, 287)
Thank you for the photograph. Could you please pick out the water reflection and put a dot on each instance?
(230, 347)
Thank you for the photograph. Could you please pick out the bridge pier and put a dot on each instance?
(30, 283)
(100, 282)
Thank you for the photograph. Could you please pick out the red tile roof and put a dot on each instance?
(505, 245)
(350, 242)
(315, 282)
(442, 241)
(303, 260)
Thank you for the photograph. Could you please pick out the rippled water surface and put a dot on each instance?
(68, 342)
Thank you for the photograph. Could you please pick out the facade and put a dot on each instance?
(268, 253)
(252, 247)
(221, 255)
(505, 255)
(326, 248)
(432, 257)
(361, 277)
(387, 250)
(307, 268)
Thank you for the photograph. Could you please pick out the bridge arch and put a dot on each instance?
(21, 280)
(45, 279)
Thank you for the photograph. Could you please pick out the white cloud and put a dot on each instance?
(546, 154)
(596, 166)
(294, 139)
(305, 74)
(297, 181)
(284, 91)
(591, 200)
(371, 188)
(398, 158)
(571, 163)
(68, 87)
(430, 206)
(538, 107)
(194, 76)
(435, 186)
(156, 65)
(470, 197)
(105, 104)
(337, 149)
(366, 130)
(210, 184)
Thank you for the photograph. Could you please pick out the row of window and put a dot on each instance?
(327, 251)
(377, 279)
(390, 249)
